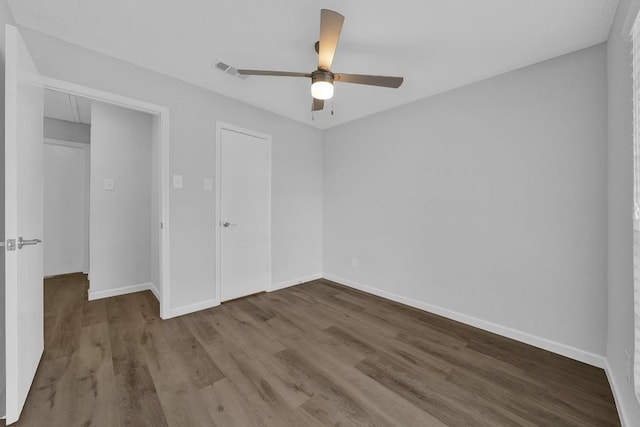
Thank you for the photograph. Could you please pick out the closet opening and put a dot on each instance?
(105, 199)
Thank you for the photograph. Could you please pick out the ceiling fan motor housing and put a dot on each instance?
(321, 76)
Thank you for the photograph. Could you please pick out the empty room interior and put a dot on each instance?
(320, 214)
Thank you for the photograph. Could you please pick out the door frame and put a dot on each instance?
(86, 151)
(220, 126)
(163, 113)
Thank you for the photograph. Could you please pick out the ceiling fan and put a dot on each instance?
(322, 79)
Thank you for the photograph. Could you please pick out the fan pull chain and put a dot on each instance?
(332, 106)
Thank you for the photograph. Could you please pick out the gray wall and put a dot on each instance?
(620, 203)
(120, 220)
(296, 165)
(66, 131)
(5, 18)
(487, 201)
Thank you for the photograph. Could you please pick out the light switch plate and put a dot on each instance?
(208, 184)
(109, 184)
(177, 181)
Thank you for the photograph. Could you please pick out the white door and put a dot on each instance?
(244, 216)
(24, 96)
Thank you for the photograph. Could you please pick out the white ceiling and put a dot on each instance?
(63, 106)
(436, 45)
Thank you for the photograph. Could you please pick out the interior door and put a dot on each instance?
(24, 99)
(244, 214)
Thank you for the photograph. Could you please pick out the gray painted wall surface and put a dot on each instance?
(489, 200)
(120, 220)
(296, 165)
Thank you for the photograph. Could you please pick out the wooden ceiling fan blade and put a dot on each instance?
(330, 29)
(272, 73)
(364, 79)
(318, 104)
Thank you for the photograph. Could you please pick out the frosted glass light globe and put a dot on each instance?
(322, 90)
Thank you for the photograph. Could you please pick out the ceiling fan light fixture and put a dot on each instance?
(322, 90)
(322, 78)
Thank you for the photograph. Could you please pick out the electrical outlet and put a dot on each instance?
(109, 184)
(629, 368)
(354, 262)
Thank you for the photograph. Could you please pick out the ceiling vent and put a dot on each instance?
(226, 68)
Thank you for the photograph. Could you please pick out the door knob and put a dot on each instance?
(227, 224)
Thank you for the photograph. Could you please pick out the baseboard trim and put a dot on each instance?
(154, 291)
(616, 394)
(191, 308)
(543, 343)
(94, 295)
(293, 282)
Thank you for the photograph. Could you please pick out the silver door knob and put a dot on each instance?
(227, 224)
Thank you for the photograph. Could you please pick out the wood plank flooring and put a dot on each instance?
(316, 354)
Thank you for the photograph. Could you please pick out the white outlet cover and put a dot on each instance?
(207, 184)
(109, 184)
(177, 181)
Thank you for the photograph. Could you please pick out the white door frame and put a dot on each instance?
(86, 148)
(163, 112)
(218, 217)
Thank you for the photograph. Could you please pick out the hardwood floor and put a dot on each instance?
(316, 354)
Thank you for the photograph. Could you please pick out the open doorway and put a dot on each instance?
(105, 201)
(67, 136)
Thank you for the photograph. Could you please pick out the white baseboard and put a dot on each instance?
(546, 344)
(93, 295)
(616, 395)
(293, 282)
(191, 308)
(203, 305)
(154, 290)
